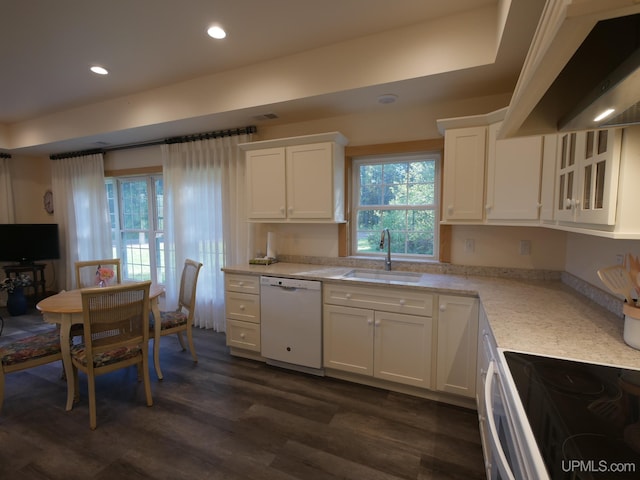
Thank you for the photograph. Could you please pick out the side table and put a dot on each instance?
(38, 282)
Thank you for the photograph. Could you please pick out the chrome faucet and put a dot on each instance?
(387, 263)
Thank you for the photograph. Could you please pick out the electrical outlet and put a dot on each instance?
(525, 247)
(469, 245)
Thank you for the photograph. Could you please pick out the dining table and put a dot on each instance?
(65, 309)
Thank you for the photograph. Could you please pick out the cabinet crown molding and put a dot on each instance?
(335, 137)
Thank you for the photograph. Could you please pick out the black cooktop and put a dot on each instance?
(585, 417)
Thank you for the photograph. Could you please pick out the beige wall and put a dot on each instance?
(578, 254)
(500, 247)
(586, 254)
(31, 177)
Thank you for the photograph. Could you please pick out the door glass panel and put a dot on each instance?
(561, 193)
(572, 149)
(563, 155)
(589, 145)
(570, 185)
(586, 199)
(600, 171)
(602, 141)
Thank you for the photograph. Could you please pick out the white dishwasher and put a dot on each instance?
(291, 323)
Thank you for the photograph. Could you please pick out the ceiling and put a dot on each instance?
(47, 47)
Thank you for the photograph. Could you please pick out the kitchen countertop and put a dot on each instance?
(542, 317)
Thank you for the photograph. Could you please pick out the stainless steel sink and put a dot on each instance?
(383, 276)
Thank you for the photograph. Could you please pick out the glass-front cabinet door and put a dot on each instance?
(588, 167)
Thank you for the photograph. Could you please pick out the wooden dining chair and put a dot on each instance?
(28, 352)
(181, 319)
(86, 272)
(116, 327)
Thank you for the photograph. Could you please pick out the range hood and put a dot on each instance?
(583, 60)
(603, 75)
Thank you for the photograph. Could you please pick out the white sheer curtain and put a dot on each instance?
(81, 208)
(204, 219)
(7, 214)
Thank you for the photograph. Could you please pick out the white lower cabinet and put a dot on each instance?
(383, 344)
(242, 311)
(457, 345)
(390, 346)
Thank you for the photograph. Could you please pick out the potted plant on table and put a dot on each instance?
(14, 286)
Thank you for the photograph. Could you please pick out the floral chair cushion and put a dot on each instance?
(171, 320)
(29, 348)
(78, 352)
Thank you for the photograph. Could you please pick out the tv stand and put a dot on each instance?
(38, 282)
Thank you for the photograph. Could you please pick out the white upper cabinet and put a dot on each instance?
(513, 177)
(548, 178)
(297, 179)
(486, 179)
(464, 163)
(587, 176)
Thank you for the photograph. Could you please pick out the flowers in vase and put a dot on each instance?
(103, 275)
(11, 283)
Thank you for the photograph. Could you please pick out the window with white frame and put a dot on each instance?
(137, 235)
(398, 192)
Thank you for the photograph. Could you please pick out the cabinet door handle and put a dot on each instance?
(450, 208)
(241, 307)
(377, 323)
(242, 335)
(369, 322)
(282, 210)
(487, 207)
(443, 307)
(290, 209)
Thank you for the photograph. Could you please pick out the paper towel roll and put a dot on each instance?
(271, 245)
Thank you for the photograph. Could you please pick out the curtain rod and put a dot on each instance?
(4, 155)
(170, 140)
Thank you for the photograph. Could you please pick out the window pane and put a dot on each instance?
(395, 195)
(159, 187)
(135, 201)
(422, 194)
(370, 174)
(370, 195)
(422, 172)
(135, 246)
(395, 173)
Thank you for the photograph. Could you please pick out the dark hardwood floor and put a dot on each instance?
(227, 418)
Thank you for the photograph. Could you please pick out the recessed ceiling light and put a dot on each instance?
(99, 70)
(216, 32)
(387, 98)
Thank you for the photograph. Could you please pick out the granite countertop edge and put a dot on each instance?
(542, 317)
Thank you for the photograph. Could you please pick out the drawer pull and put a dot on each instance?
(443, 307)
(242, 335)
(241, 283)
(377, 323)
(402, 302)
(241, 306)
(348, 296)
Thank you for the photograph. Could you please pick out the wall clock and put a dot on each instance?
(48, 201)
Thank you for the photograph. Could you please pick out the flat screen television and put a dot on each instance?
(26, 243)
